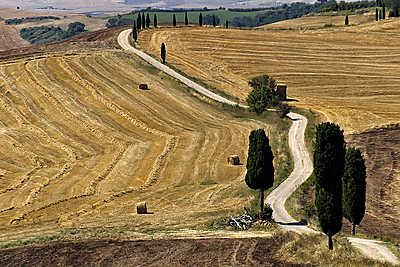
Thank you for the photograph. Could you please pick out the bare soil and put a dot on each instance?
(208, 252)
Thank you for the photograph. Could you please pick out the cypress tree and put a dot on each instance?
(354, 187)
(186, 19)
(395, 8)
(383, 11)
(380, 14)
(155, 22)
(227, 24)
(214, 21)
(134, 32)
(163, 53)
(346, 20)
(260, 167)
(376, 14)
(148, 20)
(143, 21)
(174, 20)
(139, 22)
(329, 160)
(201, 20)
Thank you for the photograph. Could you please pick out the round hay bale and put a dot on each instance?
(143, 86)
(141, 208)
(234, 160)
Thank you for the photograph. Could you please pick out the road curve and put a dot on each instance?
(123, 40)
(303, 166)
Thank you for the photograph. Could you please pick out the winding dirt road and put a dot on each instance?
(303, 166)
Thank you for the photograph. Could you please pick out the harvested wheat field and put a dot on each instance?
(350, 74)
(319, 21)
(81, 145)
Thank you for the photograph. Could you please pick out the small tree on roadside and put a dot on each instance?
(155, 21)
(143, 21)
(226, 24)
(214, 22)
(174, 20)
(383, 11)
(148, 20)
(186, 19)
(376, 14)
(329, 160)
(354, 187)
(262, 96)
(201, 20)
(134, 32)
(163, 53)
(260, 167)
(346, 20)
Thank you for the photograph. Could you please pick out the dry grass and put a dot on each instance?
(349, 74)
(80, 145)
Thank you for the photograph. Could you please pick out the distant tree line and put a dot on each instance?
(16, 21)
(48, 34)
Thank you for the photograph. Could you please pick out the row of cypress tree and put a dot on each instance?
(340, 188)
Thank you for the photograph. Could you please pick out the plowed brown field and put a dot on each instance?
(80, 145)
(350, 74)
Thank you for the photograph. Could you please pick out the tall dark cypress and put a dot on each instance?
(383, 11)
(395, 7)
(329, 160)
(380, 14)
(174, 20)
(143, 21)
(139, 22)
(201, 20)
(260, 166)
(163, 53)
(186, 19)
(148, 20)
(214, 21)
(134, 32)
(346, 20)
(354, 187)
(227, 24)
(376, 14)
(155, 21)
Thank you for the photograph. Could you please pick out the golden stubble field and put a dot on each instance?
(350, 74)
(80, 145)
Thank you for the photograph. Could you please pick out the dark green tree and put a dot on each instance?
(260, 167)
(376, 14)
(395, 7)
(329, 160)
(134, 32)
(186, 19)
(139, 22)
(143, 21)
(214, 22)
(346, 20)
(201, 20)
(163, 53)
(354, 187)
(262, 95)
(174, 20)
(380, 14)
(148, 20)
(383, 11)
(155, 21)
(226, 24)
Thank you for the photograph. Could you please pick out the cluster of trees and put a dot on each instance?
(340, 181)
(263, 94)
(48, 34)
(16, 21)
